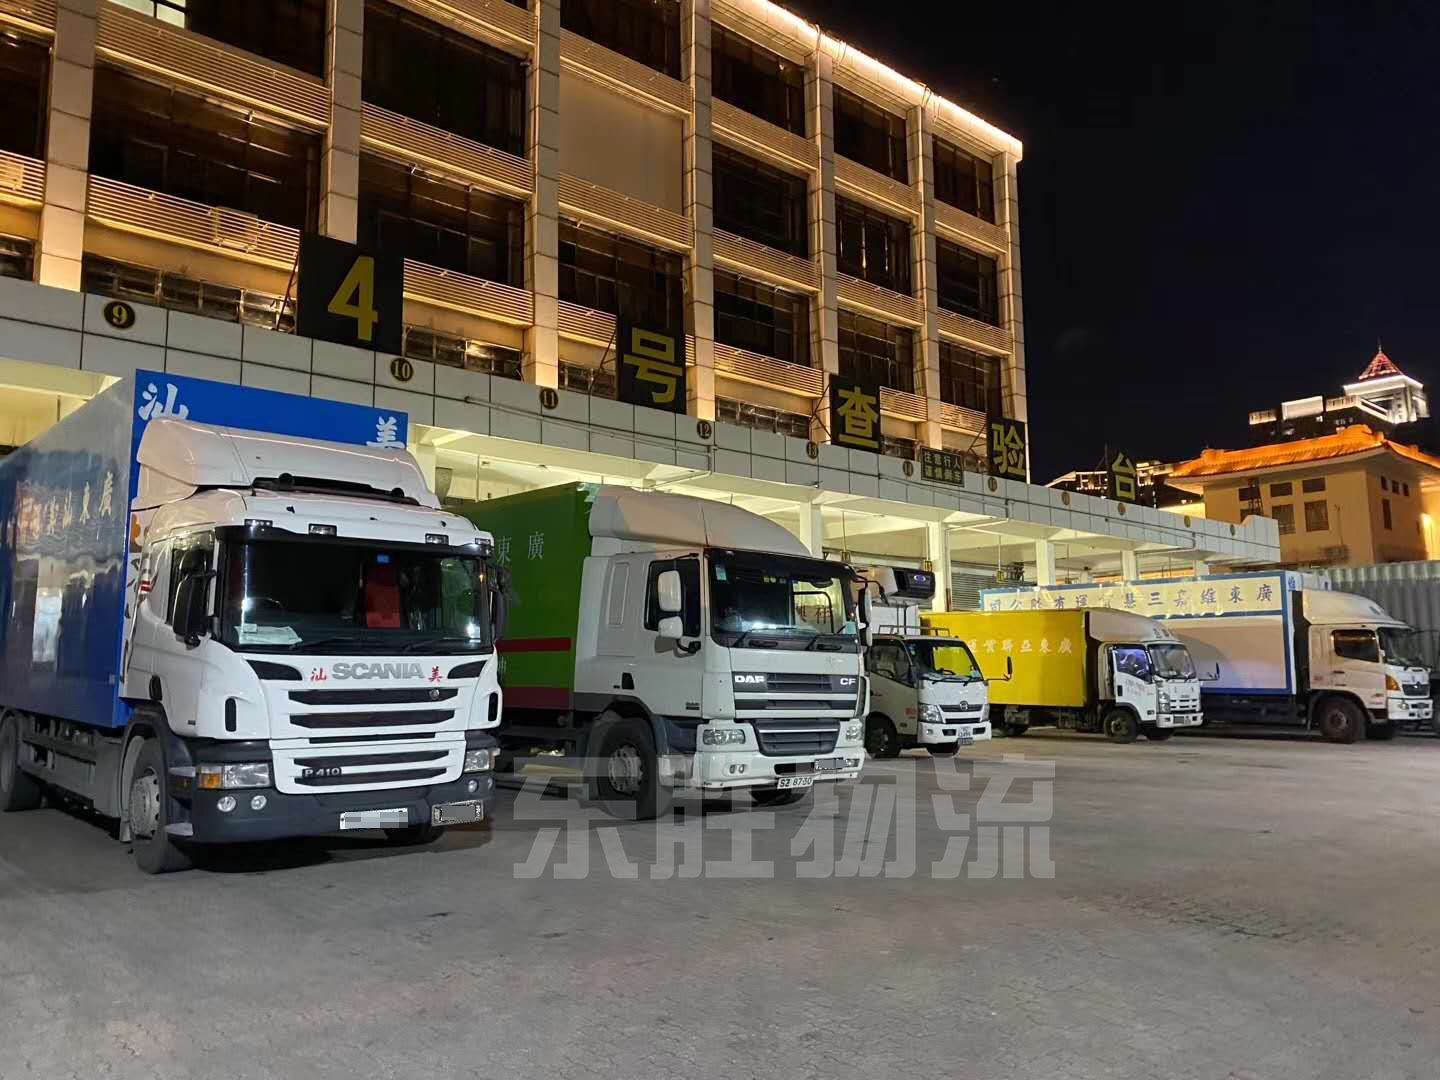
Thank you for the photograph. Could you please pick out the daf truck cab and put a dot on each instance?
(926, 688)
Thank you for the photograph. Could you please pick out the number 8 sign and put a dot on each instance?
(350, 296)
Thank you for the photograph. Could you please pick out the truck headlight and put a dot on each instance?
(1392, 684)
(723, 736)
(218, 777)
(482, 760)
(930, 714)
(854, 732)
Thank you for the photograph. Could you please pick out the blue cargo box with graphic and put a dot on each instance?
(65, 528)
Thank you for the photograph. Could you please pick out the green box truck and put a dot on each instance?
(675, 643)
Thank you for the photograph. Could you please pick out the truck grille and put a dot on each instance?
(402, 696)
(395, 718)
(333, 768)
(757, 693)
(1418, 689)
(962, 708)
(794, 738)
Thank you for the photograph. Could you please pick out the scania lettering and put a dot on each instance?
(661, 642)
(228, 618)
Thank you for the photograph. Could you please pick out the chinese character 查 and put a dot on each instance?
(859, 413)
(387, 432)
(536, 548)
(652, 356)
(154, 407)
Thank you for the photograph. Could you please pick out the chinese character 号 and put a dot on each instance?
(652, 356)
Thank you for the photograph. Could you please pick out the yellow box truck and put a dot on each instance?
(1092, 670)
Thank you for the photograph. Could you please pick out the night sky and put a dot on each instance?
(1222, 204)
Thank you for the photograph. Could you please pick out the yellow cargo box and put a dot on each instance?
(1047, 648)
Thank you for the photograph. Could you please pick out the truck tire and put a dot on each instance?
(1158, 734)
(1382, 732)
(771, 797)
(18, 791)
(150, 809)
(948, 749)
(1121, 726)
(627, 772)
(414, 835)
(1340, 720)
(881, 740)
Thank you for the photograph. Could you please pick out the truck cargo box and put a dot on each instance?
(1047, 648)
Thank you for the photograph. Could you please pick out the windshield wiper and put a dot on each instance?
(436, 642)
(338, 640)
(745, 634)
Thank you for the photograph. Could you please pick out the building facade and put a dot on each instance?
(800, 210)
(1383, 398)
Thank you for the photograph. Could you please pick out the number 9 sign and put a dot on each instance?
(349, 295)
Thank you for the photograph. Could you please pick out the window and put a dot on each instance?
(970, 379)
(288, 31)
(762, 418)
(889, 661)
(588, 380)
(873, 351)
(192, 554)
(619, 592)
(761, 318)
(689, 570)
(897, 447)
(967, 282)
(1313, 485)
(623, 277)
(422, 343)
(1132, 660)
(1284, 515)
(873, 246)
(760, 203)
(17, 257)
(1384, 484)
(164, 288)
(1385, 513)
(1406, 492)
(170, 141)
(25, 89)
(419, 69)
(1280, 491)
(1317, 516)
(441, 223)
(873, 136)
(647, 31)
(1356, 645)
(757, 80)
(964, 181)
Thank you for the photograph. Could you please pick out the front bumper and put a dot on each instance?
(1179, 719)
(717, 770)
(951, 731)
(1409, 708)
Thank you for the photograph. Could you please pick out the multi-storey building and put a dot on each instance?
(802, 210)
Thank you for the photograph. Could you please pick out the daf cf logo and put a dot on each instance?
(377, 671)
(847, 681)
(749, 680)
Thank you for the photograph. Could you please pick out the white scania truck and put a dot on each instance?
(232, 614)
(926, 688)
(675, 643)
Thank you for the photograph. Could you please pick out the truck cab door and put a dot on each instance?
(668, 672)
(1133, 680)
(887, 663)
(1356, 666)
(180, 668)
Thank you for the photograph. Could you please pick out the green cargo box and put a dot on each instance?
(543, 538)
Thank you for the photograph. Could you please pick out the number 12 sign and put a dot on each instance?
(349, 295)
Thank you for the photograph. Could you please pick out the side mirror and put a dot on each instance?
(672, 626)
(668, 593)
(191, 618)
(867, 633)
(1214, 676)
(1009, 672)
(500, 605)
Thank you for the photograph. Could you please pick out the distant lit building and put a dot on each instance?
(1383, 398)
(1152, 480)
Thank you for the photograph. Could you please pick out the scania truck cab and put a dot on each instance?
(926, 689)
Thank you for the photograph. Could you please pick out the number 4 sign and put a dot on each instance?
(349, 295)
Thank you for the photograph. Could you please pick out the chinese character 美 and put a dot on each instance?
(154, 407)
(859, 413)
(387, 431)
(536, 549)
(1266, 593)
(653, 358)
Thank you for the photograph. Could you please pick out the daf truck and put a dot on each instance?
(233, 615)
(666, 643)
(1091, 670)
(1287, 652)
(926, 689)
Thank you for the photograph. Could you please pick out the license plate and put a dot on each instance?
(374, 819)
(459, 813)
(967, 740)
(828, 763)
(794, 781)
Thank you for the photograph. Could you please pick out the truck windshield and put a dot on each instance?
(781, 600)
(944, 659)
(1172, 662)
(1402, 646)
(321, 597)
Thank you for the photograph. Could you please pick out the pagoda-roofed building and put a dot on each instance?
(1383, 398)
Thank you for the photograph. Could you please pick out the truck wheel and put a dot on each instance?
(1382, 732)
(770, 796)
(150, 810)
(413, 835)
(628, 773)
(1121, 726)
(943, 749)
(1158, 734)
(18, 791)
(1340, 720)
(881, 741)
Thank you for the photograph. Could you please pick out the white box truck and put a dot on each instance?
(926, 688)
(232, 614)
(662, 642)
(1279, 649)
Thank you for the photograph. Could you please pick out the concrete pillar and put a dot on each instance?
(542, 225)
(699, 202)
(937, 543)
(1044, 562)
(927, 278)
(340, 166)
(824, 326)
(1130, 565)
(425, 457)
(812, 529)
(1012, 306)
(67, 145)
